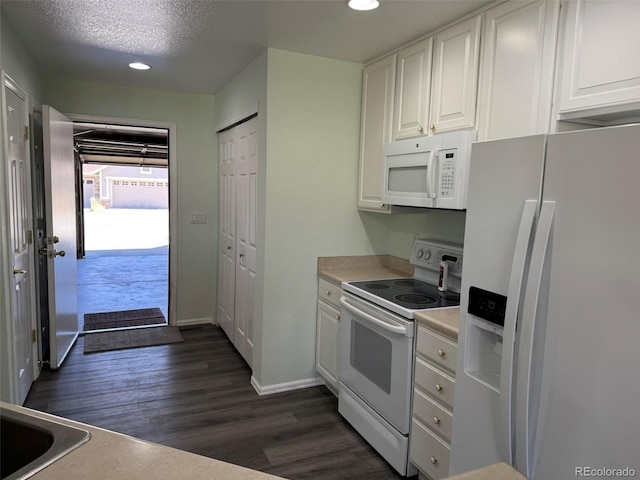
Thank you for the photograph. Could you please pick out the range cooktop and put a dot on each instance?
(409, 293)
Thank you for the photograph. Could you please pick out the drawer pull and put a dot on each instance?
(433, 460)
(441, 353)
(436, 420)
(328, 293)
(438, 387)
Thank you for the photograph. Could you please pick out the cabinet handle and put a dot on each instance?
(420, 128)
(228, 247)
(433, 460)
(328, 293)
(438, 387)
(433, 127)
(441, 353)
(436, 420)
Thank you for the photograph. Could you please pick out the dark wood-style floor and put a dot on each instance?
(196, 396)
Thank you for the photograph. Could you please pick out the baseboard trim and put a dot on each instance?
(286, 386)
(195, 321)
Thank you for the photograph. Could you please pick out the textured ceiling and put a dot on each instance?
(199, 45)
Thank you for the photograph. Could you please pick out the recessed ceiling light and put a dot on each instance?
(139, 66)
(363, 4)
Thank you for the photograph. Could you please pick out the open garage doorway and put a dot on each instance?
(123, 245)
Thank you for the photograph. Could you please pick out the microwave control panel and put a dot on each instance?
(447, 173)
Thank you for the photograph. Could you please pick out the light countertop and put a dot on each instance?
(113, 456)
(443, 321)
(368, 267)
(498, 471)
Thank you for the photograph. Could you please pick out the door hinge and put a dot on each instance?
(33, 336)
(26, 132)
(29, 237)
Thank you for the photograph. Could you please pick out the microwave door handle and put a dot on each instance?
(431, 174)
(398, 330)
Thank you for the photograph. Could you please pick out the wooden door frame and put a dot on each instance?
(173, 192)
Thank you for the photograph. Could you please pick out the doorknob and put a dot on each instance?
(46, 253)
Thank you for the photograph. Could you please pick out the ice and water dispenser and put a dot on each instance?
(485, 330)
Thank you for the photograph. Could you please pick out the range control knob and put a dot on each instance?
(420, 253)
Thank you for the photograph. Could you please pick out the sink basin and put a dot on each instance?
(28, 444)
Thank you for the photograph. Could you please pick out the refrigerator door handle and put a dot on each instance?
(516, 281)
(524, 454)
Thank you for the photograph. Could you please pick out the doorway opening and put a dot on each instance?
(123, 225)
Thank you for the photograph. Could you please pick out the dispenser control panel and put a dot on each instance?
(487, 305)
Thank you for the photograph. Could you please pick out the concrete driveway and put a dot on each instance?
(126, 262)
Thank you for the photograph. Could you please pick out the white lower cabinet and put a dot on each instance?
(432, 413)
(328, 331)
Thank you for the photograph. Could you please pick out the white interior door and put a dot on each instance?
(60, 200)
(21, 239)
(227, 235)
(246, 213)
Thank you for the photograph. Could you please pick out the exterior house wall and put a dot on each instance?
(122, 186)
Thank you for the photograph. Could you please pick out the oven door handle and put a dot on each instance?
(397, 329)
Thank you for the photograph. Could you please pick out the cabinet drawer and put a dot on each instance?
(427, 452)
(433, 415)
(329, 292)
(437, 384)
(436, 348)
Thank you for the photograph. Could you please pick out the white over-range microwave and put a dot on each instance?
(428, 172)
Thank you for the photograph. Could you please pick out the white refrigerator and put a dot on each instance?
(550, 307)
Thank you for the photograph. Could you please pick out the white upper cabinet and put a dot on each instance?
(378, 82)
(455, 77)
(516, 77)
(413, 88)
(600, 56)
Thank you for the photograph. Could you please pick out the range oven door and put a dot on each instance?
(376, 359)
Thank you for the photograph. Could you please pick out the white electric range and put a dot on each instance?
(377, 346)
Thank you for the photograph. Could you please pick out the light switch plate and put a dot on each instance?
(198, 218)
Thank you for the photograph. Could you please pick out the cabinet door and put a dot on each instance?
(413, 88)
(455, 77)
(328, 326)
(516, 78)
(377, 107)
(601, 64)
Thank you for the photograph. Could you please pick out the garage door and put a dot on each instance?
(139, 194)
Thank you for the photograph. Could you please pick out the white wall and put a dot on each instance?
(312, 150)
(18, 64)
(196, 181)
